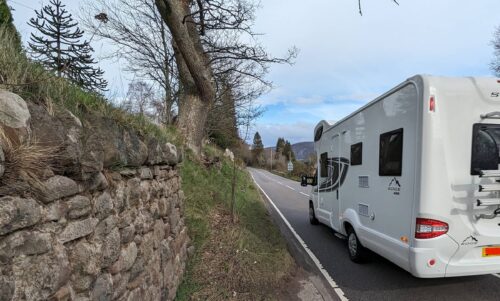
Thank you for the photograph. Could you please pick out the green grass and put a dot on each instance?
(248, 257)
(33, 83)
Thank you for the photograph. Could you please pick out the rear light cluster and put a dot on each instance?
(430, 228)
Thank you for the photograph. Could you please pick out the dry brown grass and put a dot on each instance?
(232, 270)
(26, 163)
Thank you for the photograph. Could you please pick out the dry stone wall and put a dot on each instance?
(100, 232)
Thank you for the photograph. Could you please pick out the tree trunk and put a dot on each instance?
(198, 90)
(193, 114)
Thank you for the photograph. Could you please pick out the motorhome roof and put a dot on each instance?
(419, 77)
(411, 79)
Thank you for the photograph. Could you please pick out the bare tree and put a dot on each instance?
(142, 39)
(140, 97)
(212, 57)
(495, 64)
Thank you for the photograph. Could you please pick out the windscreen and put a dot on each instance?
(485, 147)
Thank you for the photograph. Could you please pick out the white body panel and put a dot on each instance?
(435, 181)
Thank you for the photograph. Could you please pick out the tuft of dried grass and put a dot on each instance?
(26, 162)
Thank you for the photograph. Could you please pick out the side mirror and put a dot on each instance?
(303, 181)
(306, 180)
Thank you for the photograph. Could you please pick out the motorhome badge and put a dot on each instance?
(394, 186)
(470, 240)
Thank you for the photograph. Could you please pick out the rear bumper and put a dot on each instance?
(429, 257)
(448, 259)
(469, 269)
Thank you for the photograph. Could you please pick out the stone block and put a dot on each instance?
(103, 288)
(96, 182)
(29, 243)
(14, 114)
(78, 206)
(17, 213)
(145, 173)
(103, 205)
(111, 248)
(78, 229)
(39, 277)
(7, 287)
(126, 260)
(85, 258)
(127, 234)
(58, 187)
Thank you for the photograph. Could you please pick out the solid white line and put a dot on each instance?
(290, 187)
(304, 194)
(496, 275)
(313, 257)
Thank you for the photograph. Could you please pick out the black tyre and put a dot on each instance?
(312, 216)
(357, 252)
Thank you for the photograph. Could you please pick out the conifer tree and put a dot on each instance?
(58, 47)
(257, 148)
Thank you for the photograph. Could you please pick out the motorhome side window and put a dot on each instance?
(357, 154)
(485, 147)
(323, 161)
(391, 153)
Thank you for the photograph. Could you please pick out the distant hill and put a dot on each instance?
(302, 150)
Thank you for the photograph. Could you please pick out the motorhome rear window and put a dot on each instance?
(357, 154)
(323, 161)
(485, 147)
(391, 153)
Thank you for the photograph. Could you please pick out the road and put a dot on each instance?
(377, 279)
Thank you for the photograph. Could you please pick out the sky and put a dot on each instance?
(345, 60)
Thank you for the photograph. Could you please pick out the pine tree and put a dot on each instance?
(288, 152)
(257, 148)
(59, 47)
(280, 145)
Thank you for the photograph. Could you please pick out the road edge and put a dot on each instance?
(301, 252)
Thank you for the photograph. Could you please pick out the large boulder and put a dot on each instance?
(161, 153)
(14, 115)
(61, 131)
(114, 145)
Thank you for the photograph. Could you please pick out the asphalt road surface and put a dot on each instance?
(378, 279)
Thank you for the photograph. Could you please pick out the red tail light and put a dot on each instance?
(432, 104)
(430, 228)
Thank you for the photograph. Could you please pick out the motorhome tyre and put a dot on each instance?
(357, 253)
(312, 216)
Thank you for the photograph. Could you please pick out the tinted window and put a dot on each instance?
(357, 154)
(323, 161)
(318, 134)
(391, 153)
(485, 150)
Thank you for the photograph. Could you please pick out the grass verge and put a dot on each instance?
(244, 260)
(32, 82)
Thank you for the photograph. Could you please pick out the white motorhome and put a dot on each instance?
(414, 176)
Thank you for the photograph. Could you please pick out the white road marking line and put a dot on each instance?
(304, 194)
(290, 187)
(313, 257)
(279, 182)
(496, 275)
